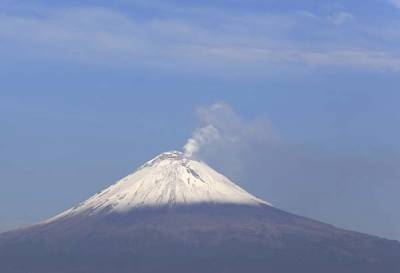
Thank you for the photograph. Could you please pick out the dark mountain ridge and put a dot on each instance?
(200, 238)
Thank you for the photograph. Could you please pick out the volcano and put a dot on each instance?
(177, 214)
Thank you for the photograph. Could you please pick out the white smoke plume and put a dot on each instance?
(222, 130)
(201, 136)
(297, 175)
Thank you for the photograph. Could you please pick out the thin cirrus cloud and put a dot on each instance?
(103, 35)
(341, 17)
(396, 3)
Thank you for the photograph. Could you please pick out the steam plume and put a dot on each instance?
(222, 129)
(200, 137)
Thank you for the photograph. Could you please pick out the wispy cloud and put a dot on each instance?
(341, 17)
(396, 3)
(228, 41)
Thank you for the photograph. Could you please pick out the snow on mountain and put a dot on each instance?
(168, 179)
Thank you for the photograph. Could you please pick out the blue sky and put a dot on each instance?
(89, 90)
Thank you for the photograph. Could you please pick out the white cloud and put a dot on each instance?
(248, 44)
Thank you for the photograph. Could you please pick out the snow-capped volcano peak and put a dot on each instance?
(171, 155)
(168, 179)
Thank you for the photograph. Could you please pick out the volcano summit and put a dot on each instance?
(176, 214)
(169, 180)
